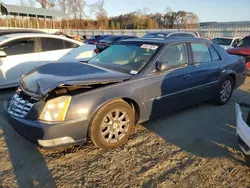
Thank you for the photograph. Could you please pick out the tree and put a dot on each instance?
(101, 14)
(112, 25)
(149, 23)
(118, 25)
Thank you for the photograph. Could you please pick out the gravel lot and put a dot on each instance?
(196, 147)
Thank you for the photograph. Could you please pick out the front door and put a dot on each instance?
(168, 91)
(20, 58)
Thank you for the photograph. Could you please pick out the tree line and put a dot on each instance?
(81, 15)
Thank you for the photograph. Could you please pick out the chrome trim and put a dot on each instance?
(19, 107)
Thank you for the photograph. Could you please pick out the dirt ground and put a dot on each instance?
(196, 147)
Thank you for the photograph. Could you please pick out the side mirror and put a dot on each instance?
(162, 66)
(2, 54)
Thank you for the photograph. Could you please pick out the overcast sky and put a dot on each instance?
(207, 10)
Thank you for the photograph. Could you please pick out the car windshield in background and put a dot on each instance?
(155, 35)
(110, 38)
(222, 41)
(128, 58)
(245, 42)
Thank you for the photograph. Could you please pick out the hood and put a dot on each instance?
(240, 51)
(44, 79)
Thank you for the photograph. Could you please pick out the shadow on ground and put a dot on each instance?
(204, 130)
(28, 164)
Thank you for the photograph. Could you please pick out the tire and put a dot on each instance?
(247, 160)
(218, 99)
(108, 130)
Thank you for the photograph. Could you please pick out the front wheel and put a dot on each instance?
(224, 92)
(112, 125)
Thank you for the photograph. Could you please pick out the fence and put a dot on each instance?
(207, 32)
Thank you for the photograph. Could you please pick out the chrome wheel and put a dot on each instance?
(226, 90)
(114, 126)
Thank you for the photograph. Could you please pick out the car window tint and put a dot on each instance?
(20, 46)
(214, 53)
(201, 53)
(49, 44)
(175, 55)
(68, 44)
(182, 35)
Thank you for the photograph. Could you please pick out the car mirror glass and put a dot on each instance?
(162, 66)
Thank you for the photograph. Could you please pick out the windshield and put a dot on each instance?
(223, 41)
(155, 35)
(245, 42)
(128, 58)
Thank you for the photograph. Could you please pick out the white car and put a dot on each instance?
(20, 53)
(227, 42)
(243, 130)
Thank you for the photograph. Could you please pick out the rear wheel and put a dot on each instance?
(112, 125)
(224, 92)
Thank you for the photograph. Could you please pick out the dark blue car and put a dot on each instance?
(131, 82)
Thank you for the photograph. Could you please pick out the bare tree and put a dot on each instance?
(101, 14)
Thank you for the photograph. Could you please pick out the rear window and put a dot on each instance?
(222, 41)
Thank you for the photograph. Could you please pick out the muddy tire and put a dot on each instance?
(112, 124)
(224, 92)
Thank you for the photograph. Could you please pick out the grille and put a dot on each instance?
(20, 105)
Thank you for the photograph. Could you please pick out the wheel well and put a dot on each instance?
(135, 107)
(233, 77)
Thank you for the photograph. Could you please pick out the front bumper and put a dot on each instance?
(49, 135)
(242, 131)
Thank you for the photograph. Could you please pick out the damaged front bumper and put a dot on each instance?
(243, 129)
(49, 135)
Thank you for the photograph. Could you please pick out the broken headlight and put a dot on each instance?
(56, 109)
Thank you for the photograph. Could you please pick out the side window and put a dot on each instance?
(214, 53)
(20, 46)
(50, 44)
(175, 55)
(201, 53)
(68, 44)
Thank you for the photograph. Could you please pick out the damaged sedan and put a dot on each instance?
(131, 82)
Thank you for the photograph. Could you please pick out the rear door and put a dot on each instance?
(206, 70)
(21, 57)
(53, 49)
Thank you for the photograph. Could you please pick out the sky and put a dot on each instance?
(206, 10)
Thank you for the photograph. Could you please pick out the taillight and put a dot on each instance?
(248, 65)
(96, 51)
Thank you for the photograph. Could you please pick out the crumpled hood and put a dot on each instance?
(44, 79)
(240, 51)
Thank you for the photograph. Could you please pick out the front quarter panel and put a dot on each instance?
(87, 104)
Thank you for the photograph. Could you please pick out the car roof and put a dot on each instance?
(167, 40)
(20, 35)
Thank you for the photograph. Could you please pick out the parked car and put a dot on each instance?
(95, 39)
(227, 42)
(243, 130)
(108, 41)
(243, 49)
(164, 34)
(19, 53)
(129, 83)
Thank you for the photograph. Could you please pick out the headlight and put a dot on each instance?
(55, 109)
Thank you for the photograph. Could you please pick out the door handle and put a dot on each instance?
(186, 76)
